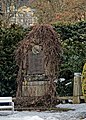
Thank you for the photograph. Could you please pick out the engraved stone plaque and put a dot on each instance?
(36, 63)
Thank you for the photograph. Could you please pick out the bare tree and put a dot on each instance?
(49, 11)
(10, 9)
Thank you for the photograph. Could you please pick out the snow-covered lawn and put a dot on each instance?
(78, 114)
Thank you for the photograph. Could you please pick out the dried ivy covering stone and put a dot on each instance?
(49, 40)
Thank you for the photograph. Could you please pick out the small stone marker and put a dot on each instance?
(77, 89)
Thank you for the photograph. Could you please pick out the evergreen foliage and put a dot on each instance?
(74, 53)
(9, 38)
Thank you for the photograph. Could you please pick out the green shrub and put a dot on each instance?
(74, 52)
(84, 81)
(9, 37)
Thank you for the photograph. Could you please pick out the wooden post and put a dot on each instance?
(77, 90)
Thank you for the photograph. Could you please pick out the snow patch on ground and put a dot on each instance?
(78, 114)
